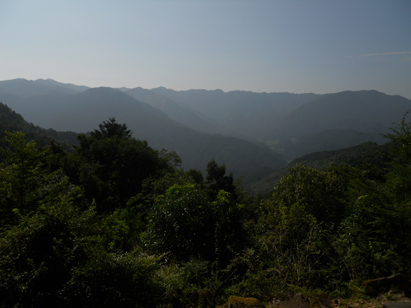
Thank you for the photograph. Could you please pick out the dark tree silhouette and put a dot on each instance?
(111, 129)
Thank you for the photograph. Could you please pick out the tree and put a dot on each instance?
(111, 129)
(296, 226)
(179, 223)
(400, 178)
(111, 166)
(217, 179)
(186, 224)
(38, 255)
(25, 179)
(61, 257)
(399, 190)
(321, 193)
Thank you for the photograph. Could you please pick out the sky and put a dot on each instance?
(318, 46)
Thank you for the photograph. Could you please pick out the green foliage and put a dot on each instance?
(399, 188)
(116, 280)
(373, 239)
(368, 152)
(178, 223)
(58, 258)
(200, 284)
(111, 166)
(196, 175)
(111, 129)
(154, 187)
(38, 255)
(295, 247)
(167, 238)
(25, 181)
(399, 180)
(12, 121)
(186, 224)
(216, 179)
(63, 256)
(321, 193)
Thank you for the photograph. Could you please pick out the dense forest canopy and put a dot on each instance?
(117, 223)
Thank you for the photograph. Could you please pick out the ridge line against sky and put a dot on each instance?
(295, 46)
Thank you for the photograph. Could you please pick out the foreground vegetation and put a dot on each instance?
(118, 224)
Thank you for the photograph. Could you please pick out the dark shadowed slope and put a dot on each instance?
(11, 121)
(362, 154)
(327, 140)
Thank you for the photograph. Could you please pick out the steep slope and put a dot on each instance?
(11, 121)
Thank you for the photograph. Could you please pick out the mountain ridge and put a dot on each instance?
(84, 111)
(204, 124)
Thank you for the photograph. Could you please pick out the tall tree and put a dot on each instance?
(111, 165)
(217, 179)
(111, 129)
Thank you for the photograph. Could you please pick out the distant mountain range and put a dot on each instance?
(252, 115)
(26, 88)
(366, 111)
(252, 133)
(84, 111)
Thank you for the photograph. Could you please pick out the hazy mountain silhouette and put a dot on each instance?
(247, 113)
(336, 121)
(175, 111)
(26, 88)
(365, 111)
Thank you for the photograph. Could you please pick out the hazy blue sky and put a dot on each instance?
(262, 46)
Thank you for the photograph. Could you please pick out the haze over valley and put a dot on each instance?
(253, 134)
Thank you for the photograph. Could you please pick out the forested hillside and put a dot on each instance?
(119, 224)
(12, 121)
(338, 120)
(365, 154)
